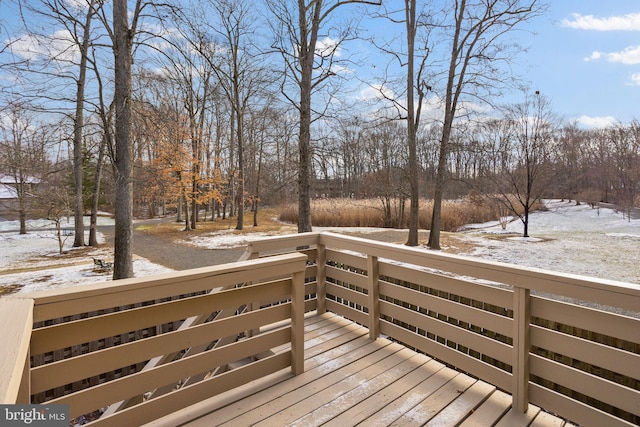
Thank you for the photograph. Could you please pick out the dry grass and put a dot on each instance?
(338, 213)
(369, 213)
(267, 222)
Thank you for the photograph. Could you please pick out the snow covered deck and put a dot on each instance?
(350, 380)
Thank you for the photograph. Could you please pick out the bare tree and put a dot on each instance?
(413, 116)
(78, 125)
(412, 55)
(524, 143)
(23, 155)
(241, 73)
(61, 57)
(297, 29)
(476, 46)
(58, 199)
(625, 151)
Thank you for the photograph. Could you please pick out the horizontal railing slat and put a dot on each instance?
(291, 242)
(85, 330)
(65, 371)
(350, 277)
(346, 258)
(494, 322)
(462, 337)
(593, 353)
(345, 293)
(348, 312)
(87, 298)
(591, 319)
(590, 385)
(84, 401)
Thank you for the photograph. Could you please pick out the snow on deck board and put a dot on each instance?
(350, 379)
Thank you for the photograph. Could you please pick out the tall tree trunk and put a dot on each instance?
(410, 9)
(93, 238)
(304, 158)
(306, 54)
(78, 126)
(240, 127)
(22, 215)
(122, 48)
(436, 215)
(451, 101)
(186, 214)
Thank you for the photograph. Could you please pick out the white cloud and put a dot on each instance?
(327, 47)
(629, 22)
(594, 56)
(628, 56)
(341, 69)
(79, 5)
(635, 79)
(376, 92)
(596, 122)
(59, 45)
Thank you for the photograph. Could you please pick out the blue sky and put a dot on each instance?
(586, 58)
(584, 55)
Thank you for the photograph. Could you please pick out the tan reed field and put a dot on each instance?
(371, 213)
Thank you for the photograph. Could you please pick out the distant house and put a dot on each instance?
(9, 191)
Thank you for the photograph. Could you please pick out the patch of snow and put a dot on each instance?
(64, 277)
(566, 238)
(225, 239)
(47, 224)
(32, 262)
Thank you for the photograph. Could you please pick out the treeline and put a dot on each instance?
(216, 121)
(355, 159)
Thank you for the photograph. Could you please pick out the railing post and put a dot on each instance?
(297, 322)
(521, 346)
(321, 277)
(373, 276)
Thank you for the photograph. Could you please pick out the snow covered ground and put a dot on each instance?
(32, 262)
(567, 238)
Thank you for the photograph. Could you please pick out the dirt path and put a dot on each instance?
(172, 253)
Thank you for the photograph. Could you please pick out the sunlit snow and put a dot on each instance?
(41, 267)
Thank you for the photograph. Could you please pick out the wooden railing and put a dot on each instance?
(566, 343)
(78, 322)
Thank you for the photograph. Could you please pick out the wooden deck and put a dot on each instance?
(351, 380)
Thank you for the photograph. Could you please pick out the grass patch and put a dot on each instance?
(268, 222)
(370, 213)
(9, 289)
(338, 213)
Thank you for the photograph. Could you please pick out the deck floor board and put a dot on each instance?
(350, 379)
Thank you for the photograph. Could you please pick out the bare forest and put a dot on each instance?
(219, 108)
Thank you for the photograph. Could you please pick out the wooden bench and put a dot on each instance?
(101, 265)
